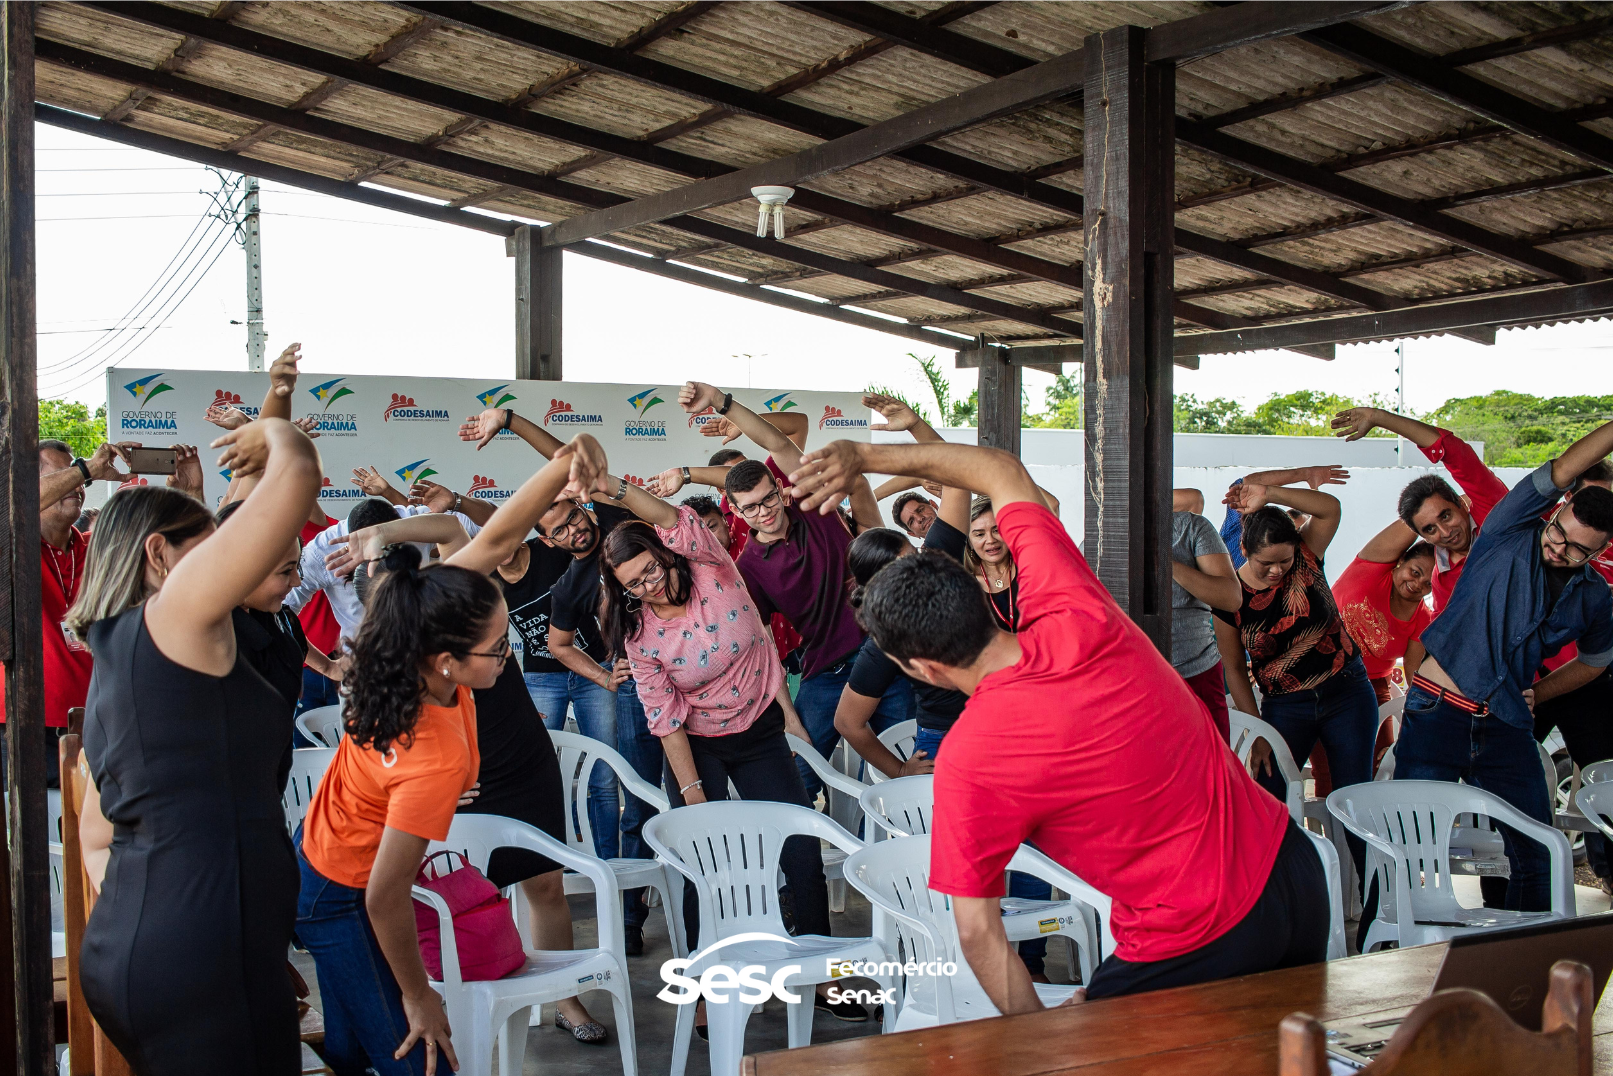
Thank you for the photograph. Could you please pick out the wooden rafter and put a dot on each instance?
(890, 25)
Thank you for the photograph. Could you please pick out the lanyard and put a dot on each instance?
(1011, 621)
(72, 568)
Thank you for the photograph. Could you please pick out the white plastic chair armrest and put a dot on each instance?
(448, 942)
(826, 773)
(1394, 854)
(645, 791)
(1562, 853)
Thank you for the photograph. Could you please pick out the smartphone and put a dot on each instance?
(152, 461)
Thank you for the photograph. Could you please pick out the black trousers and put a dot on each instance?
(1287, 927)
(1585, 716)
(760, 764)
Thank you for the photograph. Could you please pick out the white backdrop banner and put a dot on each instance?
(407, 428)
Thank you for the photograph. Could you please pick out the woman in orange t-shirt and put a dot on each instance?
(429, 638)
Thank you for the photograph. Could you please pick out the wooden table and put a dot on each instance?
(1226, 1026)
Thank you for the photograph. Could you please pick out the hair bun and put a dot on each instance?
(403, 557)
(855, 599)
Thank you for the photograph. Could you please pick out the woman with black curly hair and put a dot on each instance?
(429, 639)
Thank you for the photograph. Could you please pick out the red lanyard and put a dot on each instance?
(1011, 621)
(72, 568)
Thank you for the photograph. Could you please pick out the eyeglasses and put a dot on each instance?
(649, 579)
(501, 653)
(767, 503)
(1573, 552)
(576, 517)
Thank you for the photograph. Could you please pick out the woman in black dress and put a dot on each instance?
(184, 958)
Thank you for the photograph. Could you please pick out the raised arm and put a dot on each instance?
(369, 543)
(1327, 474)
(899, 417)
(791, 424)
(484, 427)
(440, 498)
(189, 618)
(669, 481)
(578, 465)
(1387, 545)
(864, 508)
(1357, 422)
(1578, 457)
(1323, 508)
(282, 383)
(829, 473)
(371, 482)
(641, 502)
(1188, 500)
(57, 485)
(696, 396)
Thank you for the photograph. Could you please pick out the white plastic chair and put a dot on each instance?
(1336, 947)
(904, 806)
(1409, 824)
(1246, 729)
(849, 818)
(485, 1014)
(578, 754)
(308, 765)
(895, 877)
(1595, 802)
(322, 724)
(730, 851)
(898, 740)
(1596, 773)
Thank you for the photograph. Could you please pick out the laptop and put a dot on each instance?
(1511, 967)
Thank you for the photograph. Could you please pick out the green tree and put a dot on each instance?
(940, 387)
(1520, 430)
(1218, 415)
(965, 412)
(1063, 405)
(71, 421)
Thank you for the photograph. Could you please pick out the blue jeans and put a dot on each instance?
(595, 710)
(363, 1007)
(642, 750)
(819, 696)
(1441, 742)
(1342, 712)
(928, 741)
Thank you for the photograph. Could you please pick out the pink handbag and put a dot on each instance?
(489, 944)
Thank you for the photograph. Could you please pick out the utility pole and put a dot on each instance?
(1400, 399)
(252, 239)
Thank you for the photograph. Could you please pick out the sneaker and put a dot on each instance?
(634, 942)
(849, 1011)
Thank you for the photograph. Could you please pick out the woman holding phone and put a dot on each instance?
(431, 637)
(183, 962)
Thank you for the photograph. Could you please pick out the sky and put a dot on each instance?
(368, 291)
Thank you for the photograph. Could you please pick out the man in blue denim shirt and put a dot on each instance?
(1526, 591)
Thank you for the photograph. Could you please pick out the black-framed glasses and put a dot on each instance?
(577, 516)
(501, 653)
(1573, 552)
(645, 581)
(767, 503)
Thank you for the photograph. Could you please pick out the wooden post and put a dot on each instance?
(1129, 183)
(26, 761)
(998, 416)
(538, 291)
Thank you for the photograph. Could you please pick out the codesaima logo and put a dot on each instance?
(561, 413)
(495, 396)
(781, 402)
(639, 428)
(133, 480)
(483, 488)
(835, 419)
(702, 417)
(330, 492)
(226, 398)
(405, 409)
(411, 473)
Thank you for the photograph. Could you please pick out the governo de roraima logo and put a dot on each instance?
(148, 387)
(331, 391)
(411, 473)
(497, 396)
(643, 401)
(781, 402)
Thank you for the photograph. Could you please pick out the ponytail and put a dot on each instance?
(410, 612)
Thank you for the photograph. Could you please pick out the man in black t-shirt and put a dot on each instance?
(554, 605)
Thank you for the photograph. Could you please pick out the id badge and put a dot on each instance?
(73, 642)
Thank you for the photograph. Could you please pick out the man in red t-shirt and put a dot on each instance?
(1073, 727)
(1429, 508)
(62, 552)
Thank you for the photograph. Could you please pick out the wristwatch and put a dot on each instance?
(687, 477)
(727, 402)
(621, 490)
(458, 500)
(84, 468)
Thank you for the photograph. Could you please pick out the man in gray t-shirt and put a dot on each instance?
(1202, 577)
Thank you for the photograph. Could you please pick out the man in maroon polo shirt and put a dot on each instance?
(62, 552)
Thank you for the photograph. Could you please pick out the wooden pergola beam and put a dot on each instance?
(1200, 35)
(1290, 170)
(337, 188)
(1376, 53)
(899, 29)
(1538, 39)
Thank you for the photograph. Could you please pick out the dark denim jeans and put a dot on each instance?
(1582, 715)
(1441, 742)
(642, 750)
(1342, 712)
(818, 697)
(363, 1007)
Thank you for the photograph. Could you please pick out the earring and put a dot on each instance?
(445, 670)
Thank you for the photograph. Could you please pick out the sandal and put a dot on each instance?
(589, 1033)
